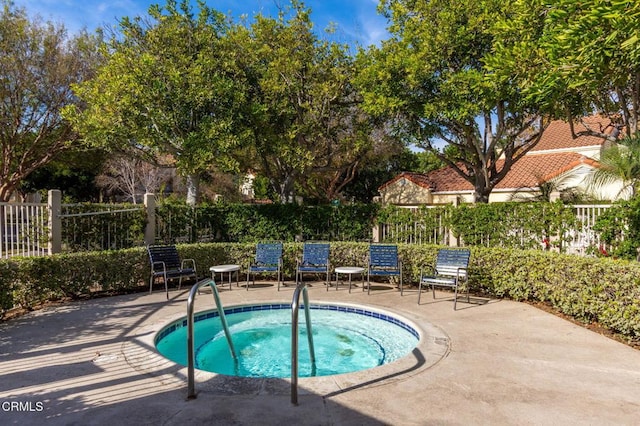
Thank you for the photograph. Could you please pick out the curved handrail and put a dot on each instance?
(295, 307)
(191, 388)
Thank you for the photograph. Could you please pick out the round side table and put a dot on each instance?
(226, 269)
(349, 270)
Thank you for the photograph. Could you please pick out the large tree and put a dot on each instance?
(431, 78)
(578, 57)
(309, 133)
(169, 90)
(38, 65)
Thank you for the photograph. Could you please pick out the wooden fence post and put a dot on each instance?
(150, 230)
(54, 207)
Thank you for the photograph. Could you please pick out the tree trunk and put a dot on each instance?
(482, 190)
(285, 190)
(193, 189)
(5, 192)
(481, 196)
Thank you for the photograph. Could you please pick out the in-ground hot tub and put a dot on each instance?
(347, 338)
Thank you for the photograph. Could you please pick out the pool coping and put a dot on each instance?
(433, 346)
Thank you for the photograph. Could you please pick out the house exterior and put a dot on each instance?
(557, 159)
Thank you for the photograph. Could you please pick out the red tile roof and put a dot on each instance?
(419, 179)
(558, 134)
(530, 171)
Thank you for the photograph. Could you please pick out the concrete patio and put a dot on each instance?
(489, 362)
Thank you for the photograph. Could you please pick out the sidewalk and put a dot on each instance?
(490, 362)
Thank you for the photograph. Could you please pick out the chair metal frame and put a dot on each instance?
(450, 268)
(384, 261)
(166, 264)
(315, 259)
(268, 259)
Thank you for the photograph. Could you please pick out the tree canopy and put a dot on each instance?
(431, 78)
(576, 57)
(309, 134)
(38, 65)
(168, 89)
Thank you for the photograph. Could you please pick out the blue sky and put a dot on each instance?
(357, 21)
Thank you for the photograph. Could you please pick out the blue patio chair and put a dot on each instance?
(384, 261)
(315, 259)
(268, 260)
(451, 267)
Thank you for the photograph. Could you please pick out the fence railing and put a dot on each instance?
(23, 229)
(417, 225)
(91, 227)
(429, 224)
(38, 229)
(34, 229)
(579, 241)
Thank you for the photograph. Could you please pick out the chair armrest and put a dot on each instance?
(185, 261)
(461, 275)
(431, 268)
(161, 263)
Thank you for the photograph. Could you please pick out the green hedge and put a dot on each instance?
(509, 225)
(599, 290)
(250, 223)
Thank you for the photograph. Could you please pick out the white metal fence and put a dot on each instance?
(26, 228)
(23, 229)
(578, 241)
(38, 229)
(416, 232)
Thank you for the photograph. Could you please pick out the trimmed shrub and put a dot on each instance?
(601, 290)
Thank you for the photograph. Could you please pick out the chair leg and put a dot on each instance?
(166, 285)
(455, 301)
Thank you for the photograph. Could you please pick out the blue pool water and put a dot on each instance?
(346, 339)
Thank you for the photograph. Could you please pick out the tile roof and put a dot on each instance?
(532, 170)
(419, 179)
(540, 165)
(558, 134)
(528, 172)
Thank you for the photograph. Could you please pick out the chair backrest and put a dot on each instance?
(315, 254)
(268, 253)
(453, 262)
(167, 254)
(383, 256)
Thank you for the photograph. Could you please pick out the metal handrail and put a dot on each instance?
(191, 387)
(295, 307)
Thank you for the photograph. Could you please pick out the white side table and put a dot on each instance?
(349, 270)
(228, 269)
